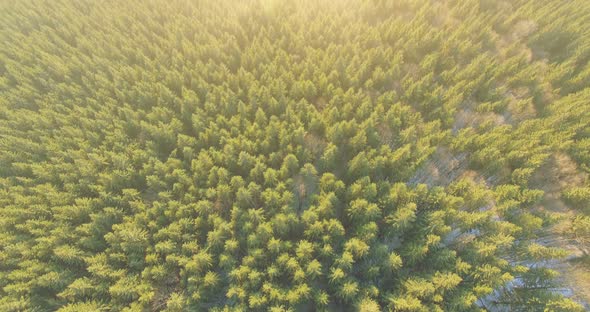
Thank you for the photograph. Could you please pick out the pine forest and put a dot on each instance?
(312, 155)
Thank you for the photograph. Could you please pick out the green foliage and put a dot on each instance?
(270, 155)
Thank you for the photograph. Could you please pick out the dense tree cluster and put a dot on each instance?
(263, 155)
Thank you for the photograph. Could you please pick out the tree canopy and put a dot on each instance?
(273, 155)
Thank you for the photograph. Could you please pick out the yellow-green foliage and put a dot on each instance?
(264, 155)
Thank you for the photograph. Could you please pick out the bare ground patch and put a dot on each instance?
(441, 169)
(559, 173)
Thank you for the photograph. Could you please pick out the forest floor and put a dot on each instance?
(558, 174)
